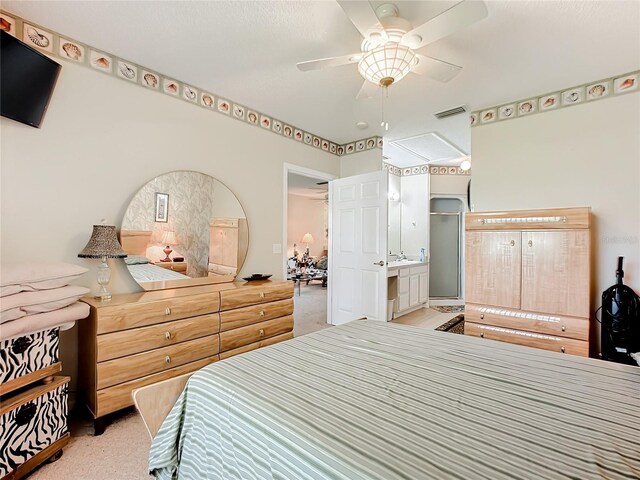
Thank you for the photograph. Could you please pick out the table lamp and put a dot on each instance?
(168, 238)
(307, 238)
(103, 244)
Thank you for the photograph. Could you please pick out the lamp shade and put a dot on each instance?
(308, 238)
(387, 64)
(103, 243)
(169, 238)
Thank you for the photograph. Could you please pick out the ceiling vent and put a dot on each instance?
(451, 112)
(430, 147)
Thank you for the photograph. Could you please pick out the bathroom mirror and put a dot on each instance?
(395, 214)
(184, 228)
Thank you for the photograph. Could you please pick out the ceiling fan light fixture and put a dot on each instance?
(389, 63)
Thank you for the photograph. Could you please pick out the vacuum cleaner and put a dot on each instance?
(620, 321)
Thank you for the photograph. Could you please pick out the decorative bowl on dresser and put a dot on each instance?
(527, 277)
(143, 338)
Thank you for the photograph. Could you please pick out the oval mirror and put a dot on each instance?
(182, 229)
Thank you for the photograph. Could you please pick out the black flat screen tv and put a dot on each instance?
(27, 80)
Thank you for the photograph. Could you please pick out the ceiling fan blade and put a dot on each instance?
(368, 90)
(450, 21)
(329, 62)
(361, 15)
(435, 69)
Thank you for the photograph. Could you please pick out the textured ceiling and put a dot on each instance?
(306, 186)
(247, 51)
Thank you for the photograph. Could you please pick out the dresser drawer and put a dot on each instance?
(119, 396)
(254, 346)
(559, 325)
(131, 367)
(136, 340)
(529, 339)
(241, 317)
(122, 317)
(246, 295)
(254, 333)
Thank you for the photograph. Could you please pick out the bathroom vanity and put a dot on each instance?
(408, 285)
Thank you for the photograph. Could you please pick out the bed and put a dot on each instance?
(372, 400)
(135, 243)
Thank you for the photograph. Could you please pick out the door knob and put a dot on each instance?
(380, 263)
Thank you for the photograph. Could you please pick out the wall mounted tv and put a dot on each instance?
(27, 80)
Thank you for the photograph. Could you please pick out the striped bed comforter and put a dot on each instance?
(370, 400)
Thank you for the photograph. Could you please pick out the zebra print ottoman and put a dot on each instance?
(33, 423)
(25, 355)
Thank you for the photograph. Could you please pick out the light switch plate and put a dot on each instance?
(277, 248)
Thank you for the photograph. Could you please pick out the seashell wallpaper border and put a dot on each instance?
(568, 97)
(423, 170)
(61, 46)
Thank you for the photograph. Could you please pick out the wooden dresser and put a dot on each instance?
(142, 338)
(527, 277)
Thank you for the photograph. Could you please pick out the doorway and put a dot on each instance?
(446, 250)
(306, 243)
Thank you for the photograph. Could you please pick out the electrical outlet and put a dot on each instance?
(277, 248)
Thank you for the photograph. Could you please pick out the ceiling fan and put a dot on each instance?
(388, 49)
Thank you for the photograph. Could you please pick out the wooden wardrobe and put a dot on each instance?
(228, 241)
(527, 277)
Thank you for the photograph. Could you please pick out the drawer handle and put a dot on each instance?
(262, 313)
(167, 335)
(482, 316)
(531, 243)
(562, 349)
(261, 332)
(26, 413)
(564, 328)
(167, 359)
(481, 334)
(513, 243)
(167, 311)
(261, 294)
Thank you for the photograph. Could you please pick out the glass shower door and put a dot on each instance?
(444, 268)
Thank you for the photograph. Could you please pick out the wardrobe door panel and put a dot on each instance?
(555, 272)
(493, 268)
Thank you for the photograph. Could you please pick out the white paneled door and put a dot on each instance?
(358, 248)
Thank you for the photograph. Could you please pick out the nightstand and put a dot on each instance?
(175, 266)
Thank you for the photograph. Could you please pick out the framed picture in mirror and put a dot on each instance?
(162, 207)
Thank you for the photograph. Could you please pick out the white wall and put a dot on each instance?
(585, 155)
(306, 215)
(449, 184)
(101, 140)
(361, 162)
(415, 213)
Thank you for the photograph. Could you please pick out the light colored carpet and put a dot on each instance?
(310, 310)
(120, 453)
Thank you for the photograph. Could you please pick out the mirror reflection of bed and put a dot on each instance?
(200, 237)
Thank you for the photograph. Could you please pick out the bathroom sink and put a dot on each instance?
(402, 263)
